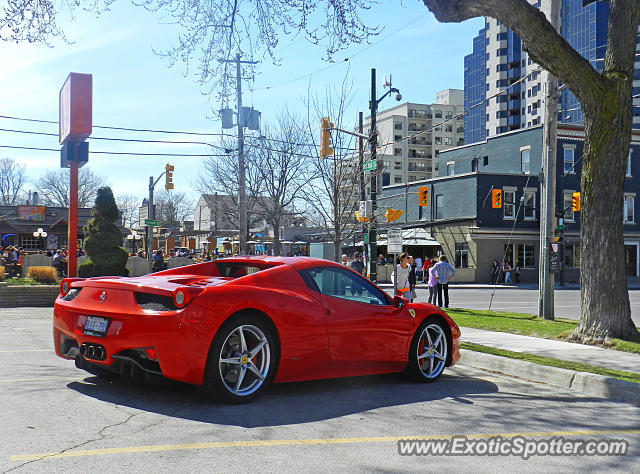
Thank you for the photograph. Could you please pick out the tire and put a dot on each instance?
(237, 374)
(431, 341)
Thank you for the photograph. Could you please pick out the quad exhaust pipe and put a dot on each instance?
(93, 351)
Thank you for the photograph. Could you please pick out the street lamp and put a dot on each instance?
(133, 237)
(373, 144)
(40, 234)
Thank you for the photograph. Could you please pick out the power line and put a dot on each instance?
(347, 59)
(187, 155)
(209, 134)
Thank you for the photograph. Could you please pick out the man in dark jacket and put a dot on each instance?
(356, 264)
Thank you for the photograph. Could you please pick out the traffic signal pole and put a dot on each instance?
(363, 196)
(151, 208)
(373, 144)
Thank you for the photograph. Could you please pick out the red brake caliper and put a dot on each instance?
(421, 350)
(254, 359)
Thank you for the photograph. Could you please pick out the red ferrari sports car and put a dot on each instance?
(234, 325)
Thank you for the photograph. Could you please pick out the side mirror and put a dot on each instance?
(399, 301)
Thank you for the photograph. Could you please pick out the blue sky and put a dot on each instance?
(134, 88)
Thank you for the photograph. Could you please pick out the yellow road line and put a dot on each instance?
(297, 442)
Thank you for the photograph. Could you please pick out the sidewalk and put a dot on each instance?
(585, 354)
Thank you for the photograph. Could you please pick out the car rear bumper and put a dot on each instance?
(169, 336)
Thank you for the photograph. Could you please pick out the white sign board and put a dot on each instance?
(394, 240)
(366, 209)
(143, 213)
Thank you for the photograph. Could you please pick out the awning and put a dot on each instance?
(411, 237)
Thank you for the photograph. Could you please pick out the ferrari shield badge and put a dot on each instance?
(412, 313)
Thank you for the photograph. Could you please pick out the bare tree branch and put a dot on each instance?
(283, 164)
(129, 205)
(12, 180)
(53, 187)
(173, 207)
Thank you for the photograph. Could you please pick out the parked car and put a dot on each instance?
(235, 325)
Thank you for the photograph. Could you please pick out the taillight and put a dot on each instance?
(65, 285)
(181, 297)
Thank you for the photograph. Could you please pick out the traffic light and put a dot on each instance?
(326, 143)
(423, 196)
(168, 178)
(393, 214)
(359, 218)
(496, 198)
(575, 201)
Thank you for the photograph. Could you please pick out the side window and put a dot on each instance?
(341, 283)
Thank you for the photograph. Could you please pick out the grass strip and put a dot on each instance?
(563, 364)
(24, 281)
(529, 325)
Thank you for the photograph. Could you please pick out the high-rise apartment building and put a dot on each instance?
(410, 136)
(498, 63)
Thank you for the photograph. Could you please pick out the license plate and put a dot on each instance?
(95, 326)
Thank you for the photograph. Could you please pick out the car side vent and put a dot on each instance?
(154, 302)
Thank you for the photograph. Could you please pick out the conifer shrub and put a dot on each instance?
(103, 240)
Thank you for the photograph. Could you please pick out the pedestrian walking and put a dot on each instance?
(495, 271)
(507, 273)
(401, 275)
(516, 272)
(412, 279)
(419, 270)
(432, 282)
(428, 262)
(356, 264)
(444, 273)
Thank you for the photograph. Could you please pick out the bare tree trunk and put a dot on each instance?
(606, 102)
(603, 291)
(277, 246)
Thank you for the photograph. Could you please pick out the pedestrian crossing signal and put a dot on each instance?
(496, 198)
(423, 196)
(575, 201)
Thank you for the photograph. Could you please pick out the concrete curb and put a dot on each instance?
(582, 382)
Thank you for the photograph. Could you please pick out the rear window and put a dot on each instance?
(240, 269)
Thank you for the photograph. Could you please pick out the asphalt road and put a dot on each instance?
(567, 302)
(57, 418)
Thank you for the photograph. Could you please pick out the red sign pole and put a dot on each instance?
(73, 218)
(74, 126)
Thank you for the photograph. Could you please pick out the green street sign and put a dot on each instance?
(366, 237)
(152, 222)
(369, 165)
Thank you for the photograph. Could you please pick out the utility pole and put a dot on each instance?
(548, 186)
(373, 145)
(242, 180)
